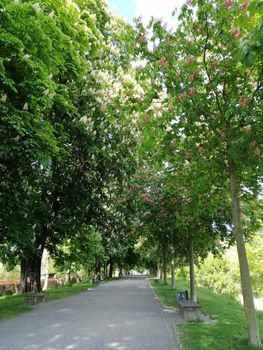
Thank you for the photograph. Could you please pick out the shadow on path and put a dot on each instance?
(120, 315)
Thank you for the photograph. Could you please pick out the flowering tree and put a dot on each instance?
(211, 114)
(65, 143)
(179, 221)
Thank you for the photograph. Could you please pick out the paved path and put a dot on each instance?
(120, 315)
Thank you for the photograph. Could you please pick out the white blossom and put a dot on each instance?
(37, 7)
(3, 99)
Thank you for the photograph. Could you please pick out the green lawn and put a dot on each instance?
(12, 305)
(66, 291)
(227, 333)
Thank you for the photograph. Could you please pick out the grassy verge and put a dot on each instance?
(66, 291)
(13, 305)
(229, 332)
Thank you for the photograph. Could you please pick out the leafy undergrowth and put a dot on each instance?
(229, 332)
(13, 305)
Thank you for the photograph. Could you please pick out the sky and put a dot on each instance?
(160, 9)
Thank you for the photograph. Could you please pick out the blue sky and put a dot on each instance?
(125, 8)
(160, 9)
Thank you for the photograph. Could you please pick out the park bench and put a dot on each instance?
(189, 310)
(34, 298)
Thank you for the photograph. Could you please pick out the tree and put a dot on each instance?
(62, 147)
(219, 121)
(79, 253)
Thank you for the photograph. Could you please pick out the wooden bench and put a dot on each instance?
(34, 298)
(190, 310)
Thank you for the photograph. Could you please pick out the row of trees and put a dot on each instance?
(66, 140)
(78, 121)
(203, 132)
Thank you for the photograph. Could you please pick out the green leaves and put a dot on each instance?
(62, 153)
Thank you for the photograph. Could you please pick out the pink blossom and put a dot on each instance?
(252, 144)
(245, 5)
(147, 119)
(244, 101)
(176, 214)
(182, 96)
(142, 39)
(191, 60)
(201, 150)
(235, 32)
(162, 61)
(214, 63)
(223, 136)
(192, 91)
(228, 4)
(195, 73)
(257, 152)
(197, 27)
(189, 200)
(189, 154)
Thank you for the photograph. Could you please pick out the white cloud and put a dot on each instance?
(161, 9)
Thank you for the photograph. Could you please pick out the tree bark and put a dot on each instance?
(164, 265)
(111, 268)
(45, 268)
(105, 270)
(45, 287)
(192, 271)
(249, 307)
(159, 272)
(31, 273)
(173, 270)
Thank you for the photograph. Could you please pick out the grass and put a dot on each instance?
(66, 291)
(13, 305)
(229, 332)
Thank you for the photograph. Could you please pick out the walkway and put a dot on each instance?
(120, 315)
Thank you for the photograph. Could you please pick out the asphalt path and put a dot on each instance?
(119, 315)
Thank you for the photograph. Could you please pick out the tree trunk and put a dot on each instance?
(31, 273)
(249, 307)
(105, 270)
(111, 268)
(45, 287)
(98, 268)
(159, 272)
(192, 271)
(120, 270)
(45, 268)
(68, 278)
(164, 266)
(173, 270)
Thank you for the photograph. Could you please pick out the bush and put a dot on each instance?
(219, 274)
